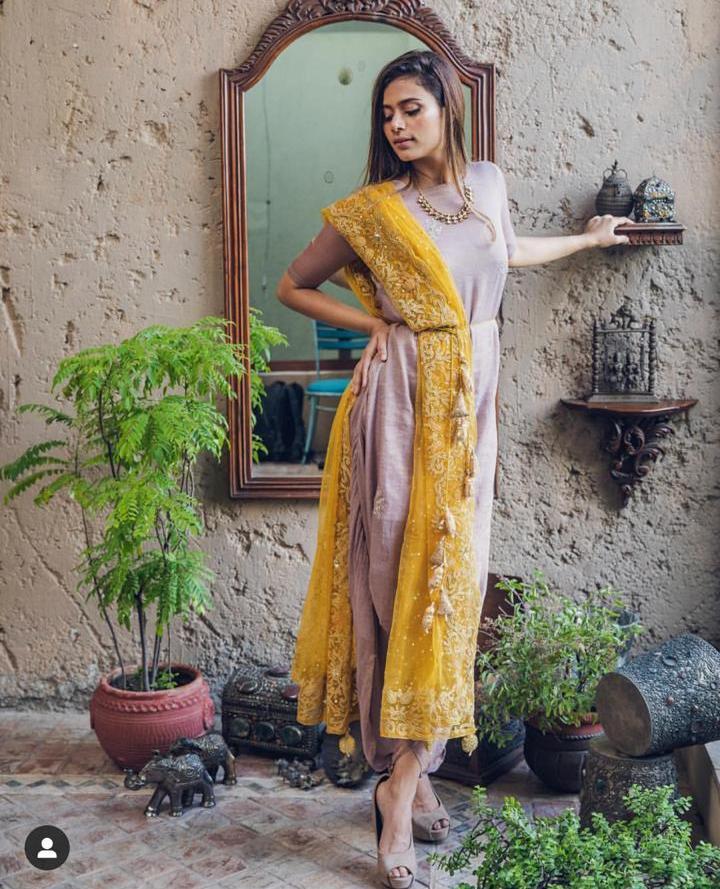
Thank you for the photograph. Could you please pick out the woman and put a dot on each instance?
(390, 621)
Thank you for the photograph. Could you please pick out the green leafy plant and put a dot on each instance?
(262, 337)
(141, 414)
(546, 656)
(652, 849)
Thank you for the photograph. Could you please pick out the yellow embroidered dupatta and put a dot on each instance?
(428, 689)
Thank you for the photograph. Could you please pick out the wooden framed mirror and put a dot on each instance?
(295, 120)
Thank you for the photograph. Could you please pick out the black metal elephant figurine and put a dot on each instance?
(213, 751)
(179, 777)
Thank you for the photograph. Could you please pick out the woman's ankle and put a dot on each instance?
(403, 781)
(410, 762)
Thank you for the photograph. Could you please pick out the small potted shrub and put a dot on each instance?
(139, 416)
(545, 658)
(650, 850)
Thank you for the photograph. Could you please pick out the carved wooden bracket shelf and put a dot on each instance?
(635, 432)
(656, 234)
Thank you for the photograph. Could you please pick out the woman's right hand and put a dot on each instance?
(377, 344)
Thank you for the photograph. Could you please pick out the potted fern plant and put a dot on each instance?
(544, 660)
(138, 417)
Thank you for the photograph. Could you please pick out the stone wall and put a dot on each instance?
(111, 220)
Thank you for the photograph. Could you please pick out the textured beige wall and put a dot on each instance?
(111, 219)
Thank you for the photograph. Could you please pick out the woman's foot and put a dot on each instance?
(425, 801)
(394, 798)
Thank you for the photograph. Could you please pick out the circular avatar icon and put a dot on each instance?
(47, 847)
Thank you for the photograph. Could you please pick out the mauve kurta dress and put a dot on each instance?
(382, 426)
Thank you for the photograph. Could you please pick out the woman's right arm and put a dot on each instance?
(339, 278)
(316, 304)
(322, 260)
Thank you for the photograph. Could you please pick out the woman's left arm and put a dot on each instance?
(599, 232)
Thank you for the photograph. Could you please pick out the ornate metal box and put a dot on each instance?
(654, 201)
(259, 710)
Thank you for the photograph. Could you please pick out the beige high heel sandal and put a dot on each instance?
(386, 861)
(422, 824)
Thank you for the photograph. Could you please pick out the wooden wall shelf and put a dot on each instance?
(634, 436)
(655, 234)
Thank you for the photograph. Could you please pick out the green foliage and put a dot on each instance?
(652, 849)
(165, 679)
(144, 411)
(262, 337)
(547, 656)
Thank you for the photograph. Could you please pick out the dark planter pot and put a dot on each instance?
(130, 725)
(557, 757)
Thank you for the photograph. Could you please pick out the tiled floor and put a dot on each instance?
(262, 834)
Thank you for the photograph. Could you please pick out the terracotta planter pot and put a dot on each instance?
(557, 757)
(131, 724)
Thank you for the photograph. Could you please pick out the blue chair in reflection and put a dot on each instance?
(334, 339)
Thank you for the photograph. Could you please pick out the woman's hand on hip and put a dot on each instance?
(377, 345)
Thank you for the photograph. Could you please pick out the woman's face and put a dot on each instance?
(412, 114)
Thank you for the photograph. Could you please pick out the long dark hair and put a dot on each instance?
(440, 79)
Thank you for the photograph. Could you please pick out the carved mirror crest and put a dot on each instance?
(295, 120)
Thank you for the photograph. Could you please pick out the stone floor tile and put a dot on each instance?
(350, 871)
(296, 838)
(192, 845)
(111, 876)
(11, 862)
(296, 867)
(96, 834)
(261, 850)
(217, 865)
(359, 835)
(228, 838)
(257, 818)
(299, 809)
(183, 878)
(30, 876)
(256, 879)
(332, 856)
(119, 853)
(552, 809)
(40, 766)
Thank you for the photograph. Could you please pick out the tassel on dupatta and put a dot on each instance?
(428, 688)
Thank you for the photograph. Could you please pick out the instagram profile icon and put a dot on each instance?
(47, 847)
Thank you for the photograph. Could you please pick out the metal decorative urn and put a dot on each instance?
(608, 774)
(665, 698)
(615, 195)
(654, 201)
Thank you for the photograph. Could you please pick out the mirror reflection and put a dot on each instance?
(307, 129)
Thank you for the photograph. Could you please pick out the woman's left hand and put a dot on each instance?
(600, 230)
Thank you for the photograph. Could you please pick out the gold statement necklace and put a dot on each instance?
(448, 218)
(460, 216)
